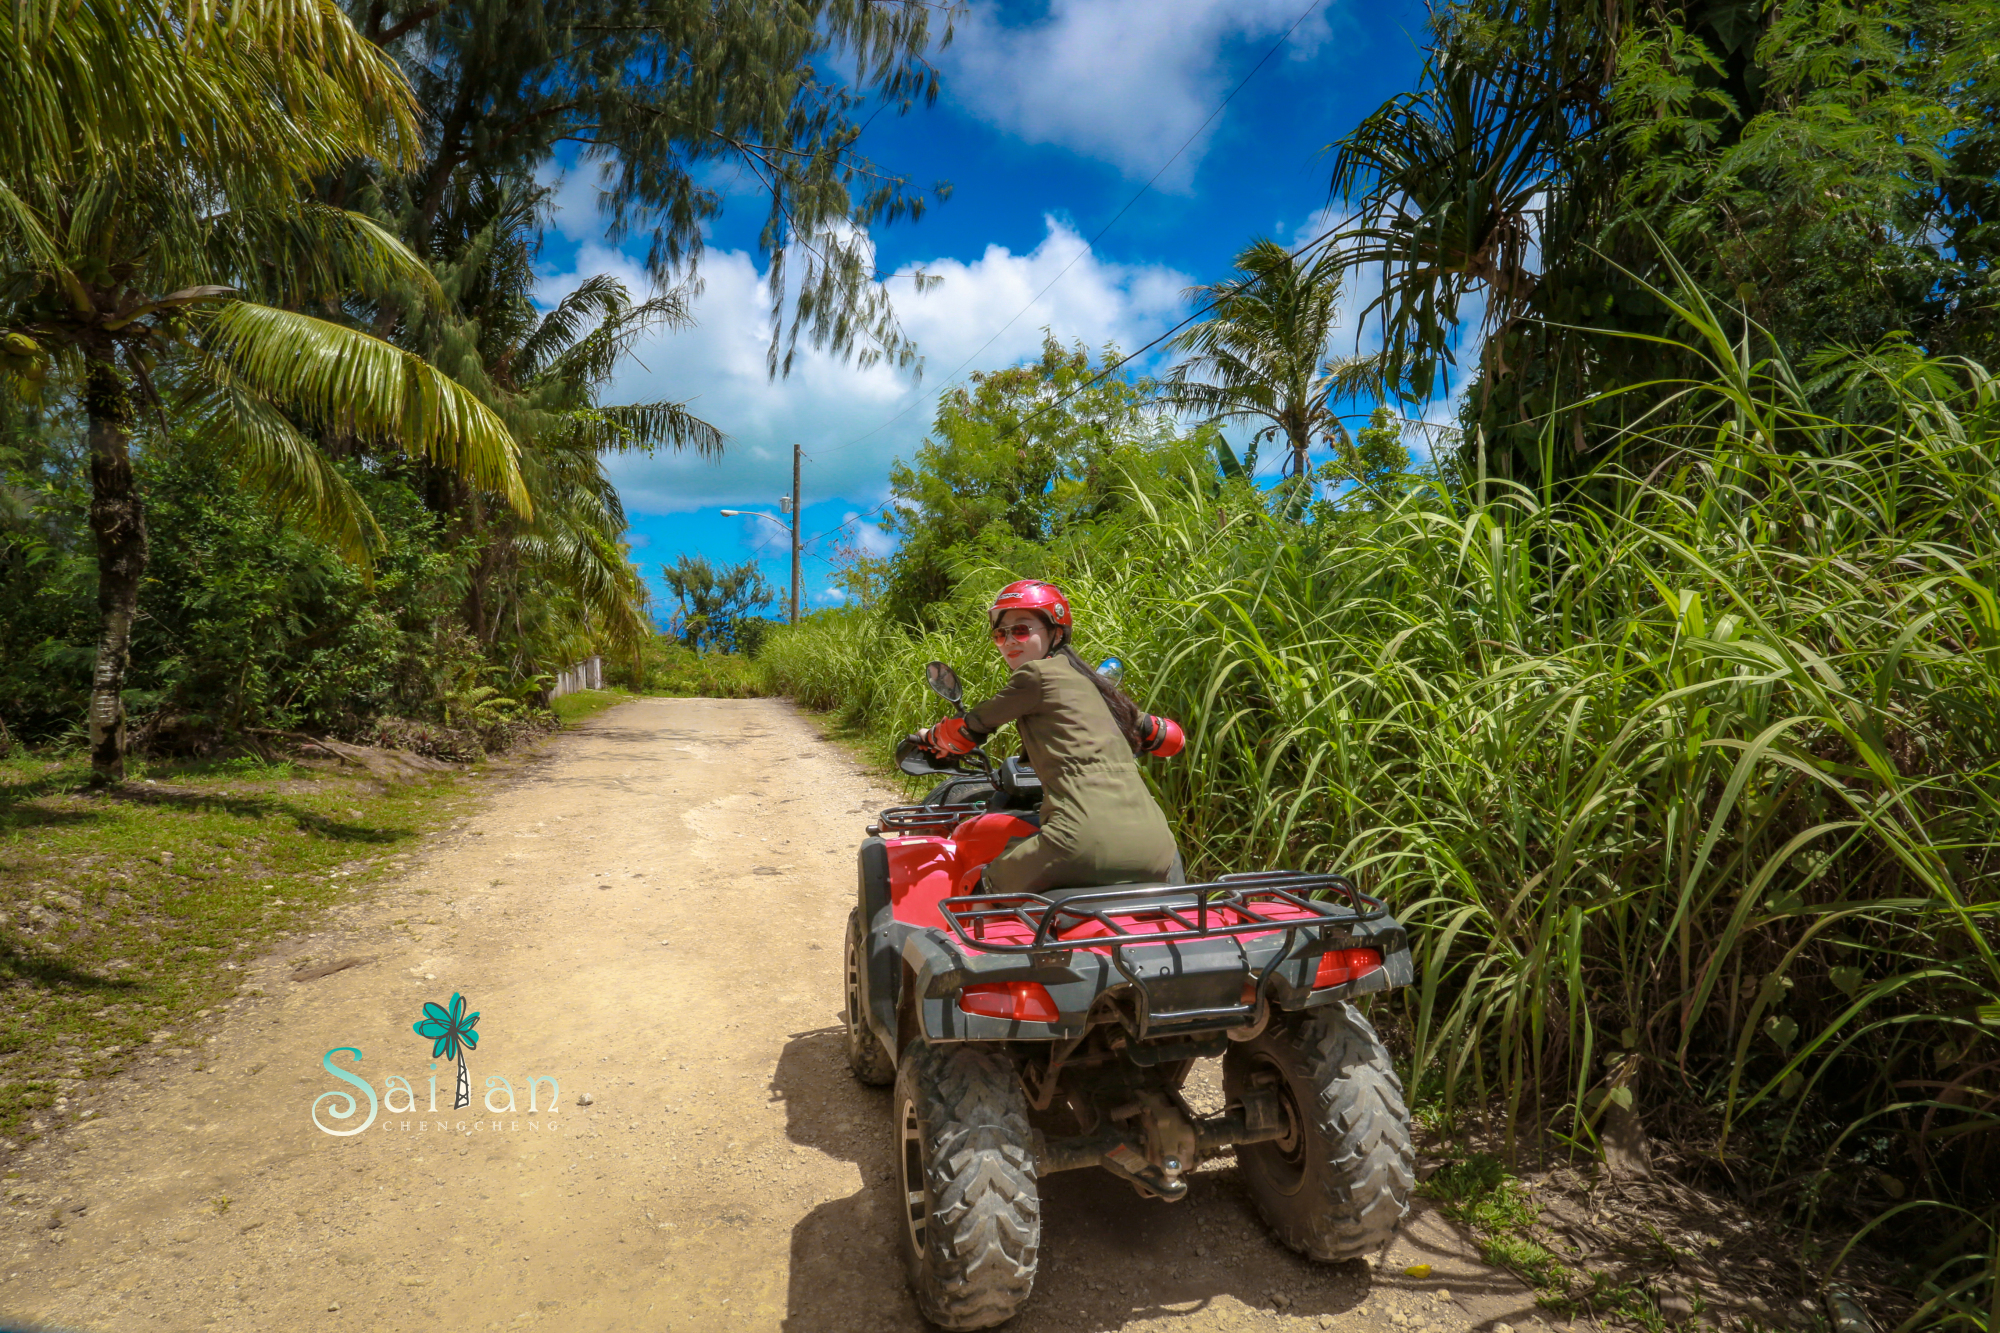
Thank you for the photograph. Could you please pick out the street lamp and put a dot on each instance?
(793, 529)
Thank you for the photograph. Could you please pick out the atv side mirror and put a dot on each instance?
(1112, 670)
(945, 681)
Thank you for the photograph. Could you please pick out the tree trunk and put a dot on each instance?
(118, 522)
(464, 1098)
(485, 564)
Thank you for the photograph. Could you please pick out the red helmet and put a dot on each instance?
(1032, 595)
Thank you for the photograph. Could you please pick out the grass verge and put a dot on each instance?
(1477, 1193)
(126, 915)
(586, 703)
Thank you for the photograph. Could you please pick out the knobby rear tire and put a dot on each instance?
(1337, 1186)
(865, 1055)
(971, 1223)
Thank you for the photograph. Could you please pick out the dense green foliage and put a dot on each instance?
(250, 622)
(161, 258)
(550, 584)
(666, 666)
(1827, 165)
(1019, 457)
(717, 605)
(1690, 784)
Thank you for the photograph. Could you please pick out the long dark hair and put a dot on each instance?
(1123, 711)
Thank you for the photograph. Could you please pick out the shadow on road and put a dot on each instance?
(1109, 1257)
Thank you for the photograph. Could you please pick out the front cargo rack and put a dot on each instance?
(1252, 903)
(926, 821)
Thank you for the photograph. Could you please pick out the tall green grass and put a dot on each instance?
(664, 666)
(1689, 781)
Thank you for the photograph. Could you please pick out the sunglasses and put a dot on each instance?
(1018, 633)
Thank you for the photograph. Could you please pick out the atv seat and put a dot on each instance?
(1061, 896)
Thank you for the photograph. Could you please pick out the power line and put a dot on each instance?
(1091, 245)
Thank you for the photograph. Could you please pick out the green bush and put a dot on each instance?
(244, 622)
(668, 667)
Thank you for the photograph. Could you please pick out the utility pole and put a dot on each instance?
(796, 507)
(789, 505)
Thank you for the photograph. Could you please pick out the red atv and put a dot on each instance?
(1033, 1033)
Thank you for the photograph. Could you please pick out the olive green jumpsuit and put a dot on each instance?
(1100, 825)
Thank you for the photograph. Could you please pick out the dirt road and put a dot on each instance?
(649, 916)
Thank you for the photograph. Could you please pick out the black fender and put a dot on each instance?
(879, 977)
(873, 889)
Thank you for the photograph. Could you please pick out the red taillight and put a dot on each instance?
(1337, 967)
(1029, 1000)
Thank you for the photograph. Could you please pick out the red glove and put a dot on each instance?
(1160, 736)
(949, 737)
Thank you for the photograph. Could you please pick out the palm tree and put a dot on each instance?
(1450, 185)
(554, 585)
(1258, 355)
(149, 202)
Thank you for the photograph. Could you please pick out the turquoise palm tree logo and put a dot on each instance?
(450, 1031)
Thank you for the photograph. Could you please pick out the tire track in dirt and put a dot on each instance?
(651, 913)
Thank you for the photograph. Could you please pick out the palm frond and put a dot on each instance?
(592, 570)
(26, 230)
(270, 90)
(294, 255)
(644, 427)
(599, 298)
(1358, 377)
(1258, 352)
(300, 481)
(345, 382)
(589, 360)
(1448, 184)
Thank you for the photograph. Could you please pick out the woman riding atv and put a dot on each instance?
(1099, 824)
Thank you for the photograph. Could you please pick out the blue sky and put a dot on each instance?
(1052, 115)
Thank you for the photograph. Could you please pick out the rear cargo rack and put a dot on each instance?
(1254, 903)
(926, 821)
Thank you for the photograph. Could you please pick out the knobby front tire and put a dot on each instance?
(971, 1221)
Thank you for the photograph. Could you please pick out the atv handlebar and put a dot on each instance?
(918, 762)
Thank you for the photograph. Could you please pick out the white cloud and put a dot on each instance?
(853, 422)
(574, 207)
(1124, 81)
(870, 539)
